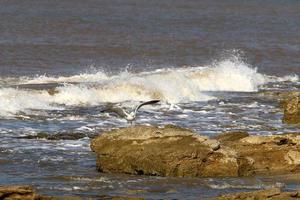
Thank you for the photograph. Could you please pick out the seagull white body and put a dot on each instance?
(130, 117)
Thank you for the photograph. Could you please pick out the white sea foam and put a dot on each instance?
(15, 100)
(96, 179)
(176, 85)
(83, 77)
(243, 186)
(292, 78)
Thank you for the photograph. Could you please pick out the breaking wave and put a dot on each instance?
(173, 85)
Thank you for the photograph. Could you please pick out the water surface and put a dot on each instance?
(62, 62)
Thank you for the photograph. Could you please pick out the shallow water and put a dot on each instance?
(208, 62)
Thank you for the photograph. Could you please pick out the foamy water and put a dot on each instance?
(171, 86)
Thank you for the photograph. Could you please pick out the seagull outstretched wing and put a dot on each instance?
(145, 103)
(117, 110)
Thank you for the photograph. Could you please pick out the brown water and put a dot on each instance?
(208, 62)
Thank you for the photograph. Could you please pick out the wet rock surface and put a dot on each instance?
(271, 194)
(20, 193)
(289, 101)
(281, 96)
(56, 136)
(292, 110)
(144, 150)
(173, 151)
(27, 193)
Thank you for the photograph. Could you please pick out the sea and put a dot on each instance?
(209, 63)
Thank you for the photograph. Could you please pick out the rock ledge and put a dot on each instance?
(174, 151)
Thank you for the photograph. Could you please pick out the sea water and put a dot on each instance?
(209, 62)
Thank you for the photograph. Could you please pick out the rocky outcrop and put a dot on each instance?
(173, 151)
(279, 96)
(292, 110)
(270, 194)
(169, 151)
(20, 193)
(289, 101)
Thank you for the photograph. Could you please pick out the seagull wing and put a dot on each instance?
(145, 103)
(119, 111)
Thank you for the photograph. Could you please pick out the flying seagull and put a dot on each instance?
(130, 117)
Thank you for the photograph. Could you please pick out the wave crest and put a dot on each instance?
(175, 85)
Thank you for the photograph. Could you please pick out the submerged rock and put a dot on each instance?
(174, 151)
(56, 136)
(52, 91)
(271, 194)
(292, 110)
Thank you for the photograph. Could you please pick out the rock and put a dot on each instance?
(231, 136)
(52, 91)
(20, 193)
(291, 139)
(280, 96)
(168, 151)
(289, 101)
(267, 155)
(125, 198)
(292, 110)
(27, 193)
(56, 136)
(173, 151)
(293, 157)
(2, 162)
(270, 194)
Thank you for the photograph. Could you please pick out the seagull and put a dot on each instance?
(130, 117)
